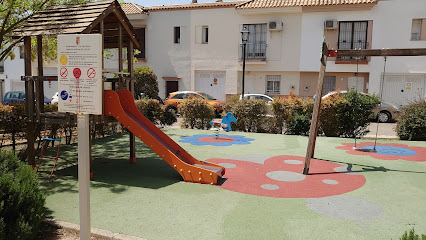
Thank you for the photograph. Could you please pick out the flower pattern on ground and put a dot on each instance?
(281, 177)
(222, 141)
(388, 151)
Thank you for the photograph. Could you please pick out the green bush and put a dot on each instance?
(196, 113)
(347, 115)
(155, 112)
(13, 120)
(412, 236)
(146, 82)
(298, 125)
(21, 200)
(285, 109)
(412, 122)
(250, 114)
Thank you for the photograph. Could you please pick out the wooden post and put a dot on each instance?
(131, 89)
(315, 115)
(29, 83)
(40, 83)
(120, 55)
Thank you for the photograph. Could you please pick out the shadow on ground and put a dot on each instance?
(110, 166)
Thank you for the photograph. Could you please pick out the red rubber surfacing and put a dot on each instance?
(248, 177)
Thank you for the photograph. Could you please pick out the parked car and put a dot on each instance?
(267, 98)
(55, 99)
(14, 97)
(175, 98)
(383, 113)
(18, 97)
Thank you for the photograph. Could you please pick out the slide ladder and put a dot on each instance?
(121, 106)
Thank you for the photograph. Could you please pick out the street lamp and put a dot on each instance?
(244, 38)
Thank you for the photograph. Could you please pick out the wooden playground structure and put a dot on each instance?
(106, 18)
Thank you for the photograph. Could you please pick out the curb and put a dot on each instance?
(95, 231)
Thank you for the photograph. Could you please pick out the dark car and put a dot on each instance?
(18, 97)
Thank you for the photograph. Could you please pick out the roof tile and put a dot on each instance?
(299, 3)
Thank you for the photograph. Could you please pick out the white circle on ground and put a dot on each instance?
(227, 165)
(329, 181)
(344, 169)
(344, 207)
(269, 187)
(293, 162)
(286, 176)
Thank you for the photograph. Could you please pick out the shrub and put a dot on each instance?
(412, 122)
(298, 125)
(155, 112)
(146, 82)
(412, 236)
(285, 109)
(355, 119)
(21, 200)
(196, 113)
(250, 114)
(13, 120)
(347, 116)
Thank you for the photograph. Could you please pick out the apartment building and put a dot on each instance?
(197, 46)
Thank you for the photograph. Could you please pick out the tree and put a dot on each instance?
(13, 13)
(146, 82)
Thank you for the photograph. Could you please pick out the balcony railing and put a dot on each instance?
(254, 51)
(347, 45)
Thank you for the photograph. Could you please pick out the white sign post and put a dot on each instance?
(80, 91)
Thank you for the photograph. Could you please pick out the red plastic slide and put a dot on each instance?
(121, 106)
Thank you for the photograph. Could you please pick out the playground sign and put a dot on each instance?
(79, 84)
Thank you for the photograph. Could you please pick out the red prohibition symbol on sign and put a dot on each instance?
(91, 73)
(63, 72)
(77, 72)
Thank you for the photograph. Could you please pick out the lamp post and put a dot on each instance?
(244, 38)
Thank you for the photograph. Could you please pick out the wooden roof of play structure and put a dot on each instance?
(83, 18)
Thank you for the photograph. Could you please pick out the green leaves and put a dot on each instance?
(412, 122)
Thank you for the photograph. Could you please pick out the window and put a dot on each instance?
(416, 29)
(140, 34)
(273, 84)
(21, 52)
(205, 37)
(179, 96)
(329, 84)
(352, 35)
(177, 35)
(1, 66)
(256, 44)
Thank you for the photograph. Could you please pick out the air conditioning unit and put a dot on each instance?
(275, 26)
(330, 24)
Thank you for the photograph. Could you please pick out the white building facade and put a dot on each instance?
(198, 46)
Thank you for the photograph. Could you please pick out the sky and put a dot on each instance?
(147, 3)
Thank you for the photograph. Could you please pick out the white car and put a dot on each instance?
(267, 98)
(54, 99)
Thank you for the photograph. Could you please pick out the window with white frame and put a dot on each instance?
(273, 83)
(205, 32)
(256, 44)
(416, 29)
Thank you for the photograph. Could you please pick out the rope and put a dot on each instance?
(356, 93)
(381, 94)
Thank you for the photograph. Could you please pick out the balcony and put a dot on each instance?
(254, 51)
(346, 45)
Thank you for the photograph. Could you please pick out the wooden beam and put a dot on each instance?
(120, 55)
(313, 131)
(130, 87)
(377, 52)
(29, 90)
(40, 84)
